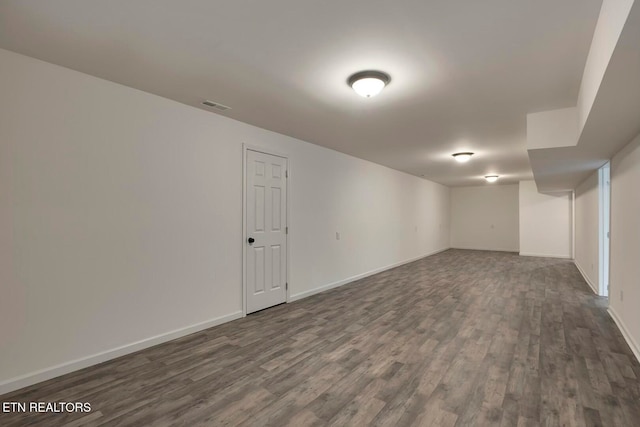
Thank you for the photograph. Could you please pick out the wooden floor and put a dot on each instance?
(464, 338)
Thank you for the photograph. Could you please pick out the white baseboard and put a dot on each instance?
(586, 278)
(305, 294)
(635, 348)
(470, 248)
(546, 255)
(84, 362)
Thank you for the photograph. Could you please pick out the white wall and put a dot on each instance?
(611, 21)
(545, 223)
(121, 218)
(587, 230)
(624, 293)
(553, 128)
(485, 217)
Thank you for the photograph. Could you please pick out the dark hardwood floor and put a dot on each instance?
(464, 338)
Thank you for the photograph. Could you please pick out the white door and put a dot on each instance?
(266, 204)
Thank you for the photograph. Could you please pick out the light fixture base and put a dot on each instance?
(462, 157)
(368, 83)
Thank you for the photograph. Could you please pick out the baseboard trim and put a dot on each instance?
(586, 278)
(635, 348)
(469, 248)
(26, 380)
(339, 283)
(545, 255)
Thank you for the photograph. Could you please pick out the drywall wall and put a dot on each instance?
(553, 128)
(545, 222)
(485, 217)
(611, 21)
(587, 230)
(624, 273)
(121, 218)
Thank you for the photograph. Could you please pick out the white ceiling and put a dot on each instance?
(464, 73)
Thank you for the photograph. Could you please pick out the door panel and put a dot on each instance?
(266, 224)
(259, 271)
(276, 273)
(276, 218)
(259, 208)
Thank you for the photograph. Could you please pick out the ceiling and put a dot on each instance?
(612, 120)
(464, 73)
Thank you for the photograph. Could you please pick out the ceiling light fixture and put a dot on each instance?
(491, 178)
(368, 83)
(462, 157)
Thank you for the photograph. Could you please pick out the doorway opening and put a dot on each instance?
(604, 203)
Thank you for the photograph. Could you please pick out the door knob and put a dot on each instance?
(251, 240)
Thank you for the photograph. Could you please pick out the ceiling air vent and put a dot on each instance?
(215, 105)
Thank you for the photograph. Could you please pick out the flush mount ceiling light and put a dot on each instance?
(491, 178)
(368, 83)
(462, 157)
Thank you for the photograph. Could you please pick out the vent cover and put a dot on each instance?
(215, 105)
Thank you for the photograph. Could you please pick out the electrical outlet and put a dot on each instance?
(337, 236)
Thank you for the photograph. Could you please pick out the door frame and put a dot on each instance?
(604, 229)
(264, 150)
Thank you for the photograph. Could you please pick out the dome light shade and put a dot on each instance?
(491, 178)
(462, 157)
(368, 83)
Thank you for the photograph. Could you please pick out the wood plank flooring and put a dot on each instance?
(464, 338)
